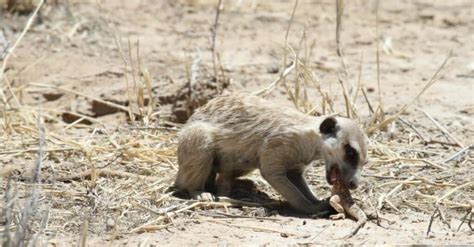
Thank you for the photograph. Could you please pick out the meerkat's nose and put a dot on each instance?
(353, 185)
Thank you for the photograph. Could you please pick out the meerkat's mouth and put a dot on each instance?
(332, 175)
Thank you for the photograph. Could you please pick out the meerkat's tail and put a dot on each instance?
(196, 157)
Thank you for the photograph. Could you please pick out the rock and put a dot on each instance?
(52, 96)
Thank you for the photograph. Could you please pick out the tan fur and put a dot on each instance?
(235, 134)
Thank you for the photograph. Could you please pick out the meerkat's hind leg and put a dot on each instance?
(196, 159)
(226, 178)
(224, 184)
(207, 195)
(210, 184)
(230, 167)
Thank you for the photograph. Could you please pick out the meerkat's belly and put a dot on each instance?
(235, 165)
(236, 160)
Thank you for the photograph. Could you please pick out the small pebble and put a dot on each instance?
(109, 224)
(273, 68)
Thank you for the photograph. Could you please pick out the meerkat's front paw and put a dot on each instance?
(203, 196)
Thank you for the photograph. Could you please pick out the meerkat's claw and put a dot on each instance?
(203, 196)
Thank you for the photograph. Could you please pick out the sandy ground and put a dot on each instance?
(74, 47)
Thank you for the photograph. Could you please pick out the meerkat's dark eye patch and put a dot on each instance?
(351, 155)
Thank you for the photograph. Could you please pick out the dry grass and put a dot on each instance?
(113, 180)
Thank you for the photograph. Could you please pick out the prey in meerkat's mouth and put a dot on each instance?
(332, 175)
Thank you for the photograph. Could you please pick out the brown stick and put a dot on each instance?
(105, 102)
(428, 162)
(262, 229)
(225, 202)
(437, 214)
(105, 173)
(465, 219)
(412, 127)
(432, 218)
(213, 42)
(442, 129)
(371, 109)
(458, 154)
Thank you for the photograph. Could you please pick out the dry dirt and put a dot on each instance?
(75, 47)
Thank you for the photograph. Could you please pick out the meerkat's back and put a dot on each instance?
(235, 111)
(242, 122)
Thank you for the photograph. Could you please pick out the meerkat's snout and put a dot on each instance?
(345, 151)
(354, 181)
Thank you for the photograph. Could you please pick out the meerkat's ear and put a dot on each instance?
(328, 126)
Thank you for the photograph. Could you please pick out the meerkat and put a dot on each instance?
(234, 134)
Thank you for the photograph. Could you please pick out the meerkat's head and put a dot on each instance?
(344, 150)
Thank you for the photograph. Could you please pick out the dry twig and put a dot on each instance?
(458, 154)
(213, 43)
(442, 129)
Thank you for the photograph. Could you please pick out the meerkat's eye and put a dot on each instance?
(351, 154)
